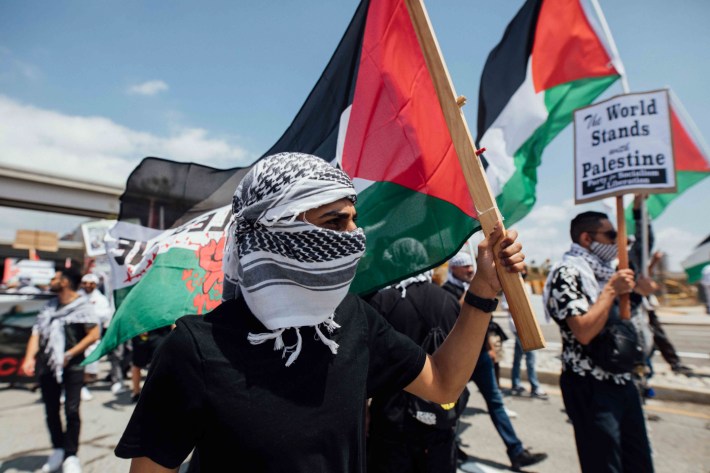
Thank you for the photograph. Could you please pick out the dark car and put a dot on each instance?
(18, 313)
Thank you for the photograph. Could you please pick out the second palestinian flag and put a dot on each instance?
(552, 59)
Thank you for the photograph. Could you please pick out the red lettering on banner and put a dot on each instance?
(8, 366)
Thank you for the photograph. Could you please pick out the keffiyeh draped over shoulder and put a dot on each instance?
(50, 327)
(291, 273)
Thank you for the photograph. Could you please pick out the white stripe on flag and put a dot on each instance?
(698, 256)
(522, 115)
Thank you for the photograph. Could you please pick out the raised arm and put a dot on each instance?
(447, 371)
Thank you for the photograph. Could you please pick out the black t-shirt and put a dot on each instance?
(245, 410)
(425, 306)
(457, 291)
(73, 334)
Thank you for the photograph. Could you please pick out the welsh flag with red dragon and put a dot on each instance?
(374, 111)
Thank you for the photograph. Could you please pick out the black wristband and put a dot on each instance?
(486, 305)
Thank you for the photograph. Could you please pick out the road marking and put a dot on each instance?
(700, 356)
(672, 410)
(651, 407)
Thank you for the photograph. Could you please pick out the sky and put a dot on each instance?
(87, 89)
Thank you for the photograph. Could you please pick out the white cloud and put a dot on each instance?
(98, 149)
(149, 88)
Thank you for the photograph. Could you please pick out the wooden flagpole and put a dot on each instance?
(621, 243)
(488, 214)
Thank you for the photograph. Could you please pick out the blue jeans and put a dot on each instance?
(485, 379)
(529, 363)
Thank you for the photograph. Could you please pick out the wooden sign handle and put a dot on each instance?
(624, 300)
(488, 214)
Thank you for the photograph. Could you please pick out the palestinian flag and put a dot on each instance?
(692, 161)
(697, 261)
(374, 111)
(553, 59)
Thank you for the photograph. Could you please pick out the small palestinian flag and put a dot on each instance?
(374, 111)
(553, 59)
(692, 161)
(697, 261)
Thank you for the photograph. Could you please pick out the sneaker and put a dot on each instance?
(54, 460)
(86, 394)
(517, 391)
(118, 388)
(525, 458)
(682, 369)
(71, 465)
(461, 456)
(510, 413)
(539, 394)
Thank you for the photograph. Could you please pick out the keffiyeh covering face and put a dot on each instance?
(291, 273)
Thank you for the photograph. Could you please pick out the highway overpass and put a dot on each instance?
(35, 191)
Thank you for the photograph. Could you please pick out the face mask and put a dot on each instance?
(604, 251)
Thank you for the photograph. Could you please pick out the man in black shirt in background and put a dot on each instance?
(65, 327)
(403, 438)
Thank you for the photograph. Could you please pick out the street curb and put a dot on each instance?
(663, 392)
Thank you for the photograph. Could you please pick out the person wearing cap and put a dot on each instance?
(102, 309)
(517, 388)
(277, 377)
(461, 273)
(65, 327)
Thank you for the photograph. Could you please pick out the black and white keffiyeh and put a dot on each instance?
(50, 327)
(291, 273)
(593, 271)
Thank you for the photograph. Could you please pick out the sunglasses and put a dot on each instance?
(611, 234)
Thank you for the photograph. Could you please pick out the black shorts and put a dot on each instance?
(143, 349)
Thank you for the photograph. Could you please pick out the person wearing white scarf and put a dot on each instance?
(604, 407)
(55, 362)
(291, 252)
(460, 274)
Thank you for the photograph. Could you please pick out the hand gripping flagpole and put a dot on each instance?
(513, 286)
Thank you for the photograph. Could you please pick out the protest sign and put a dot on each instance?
(624, 145)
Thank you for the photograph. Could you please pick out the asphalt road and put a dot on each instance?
(680, 437)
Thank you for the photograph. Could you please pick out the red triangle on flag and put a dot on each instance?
(566, 47)
(397, 131)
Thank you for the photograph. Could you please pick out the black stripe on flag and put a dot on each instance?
(161, 193)
(506, 66)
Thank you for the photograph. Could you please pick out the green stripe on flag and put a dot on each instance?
(165, 293)
(388, 212)
(695, 273)
(657, 203)
(518, 195)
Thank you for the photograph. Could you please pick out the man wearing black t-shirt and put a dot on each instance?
(403, 438)
(65, 327)
(277, 377)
